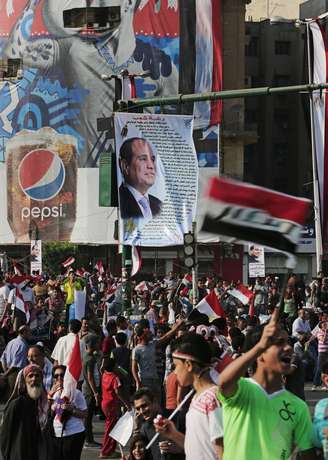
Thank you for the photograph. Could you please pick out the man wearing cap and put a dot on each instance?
(15, 353)
(25, 418)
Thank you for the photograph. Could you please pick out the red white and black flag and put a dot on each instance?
(318, 64)
(243, 212)
(201, 48)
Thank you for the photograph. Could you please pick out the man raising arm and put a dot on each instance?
(259, 414)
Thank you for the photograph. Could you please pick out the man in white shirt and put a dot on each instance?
(301, 325)
(138, 168)
(4, 294)
(63, 348)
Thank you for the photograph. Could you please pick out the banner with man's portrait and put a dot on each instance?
(36, 257)
(256, 261)
(157, 177)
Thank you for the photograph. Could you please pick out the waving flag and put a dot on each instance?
(200, 49)
(319, 66)
(136, 260)
(242, 293)
(187, 280)
(73, 371)
(99, 266)
(79, 273)
(142, 287)
(18, 269)
(19, 281)
(243, 212)
(68, 262)
(210, 306)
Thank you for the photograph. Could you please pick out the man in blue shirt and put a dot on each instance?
(15, 354)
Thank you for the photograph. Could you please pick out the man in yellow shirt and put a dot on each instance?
(71, 284)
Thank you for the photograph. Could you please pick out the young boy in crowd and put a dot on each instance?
(122, 357)
(260, 416)
(112, 399)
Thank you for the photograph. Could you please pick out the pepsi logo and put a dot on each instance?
(41, 174)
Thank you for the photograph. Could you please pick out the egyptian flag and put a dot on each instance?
(128, 87)
(319, 66)
(192, 33)
(79, 273)
(68, 262)
(200, 65)
(18, 269)
(241, 212)
(210, 306)
(187, 280)
(19, 281)
(99, 266)
(142, 287)
(73, 371)
(136, 260)
(242, 293)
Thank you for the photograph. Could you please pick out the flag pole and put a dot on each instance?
(316, 196)
(194, 271)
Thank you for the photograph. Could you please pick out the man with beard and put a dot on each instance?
(25, 418)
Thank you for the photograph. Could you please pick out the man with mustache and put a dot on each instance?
(25, 418)
(138, 168)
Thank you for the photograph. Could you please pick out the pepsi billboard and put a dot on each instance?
(45, 181)
(62, 91)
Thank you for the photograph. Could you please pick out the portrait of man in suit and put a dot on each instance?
(138, 167)
(254, 254)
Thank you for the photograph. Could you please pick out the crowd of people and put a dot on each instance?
(228, 387)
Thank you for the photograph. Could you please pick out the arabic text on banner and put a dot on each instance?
(171, 198)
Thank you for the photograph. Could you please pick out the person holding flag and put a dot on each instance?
(259, 414)
(22, 298)
(69, 408)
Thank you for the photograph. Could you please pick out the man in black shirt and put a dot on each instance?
(91, 385)
(147, 408)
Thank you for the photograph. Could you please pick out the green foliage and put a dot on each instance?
(54, 253)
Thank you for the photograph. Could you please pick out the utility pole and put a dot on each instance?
(194, 271)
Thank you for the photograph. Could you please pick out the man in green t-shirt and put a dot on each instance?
(261, 419)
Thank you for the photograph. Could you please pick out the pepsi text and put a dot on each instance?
(42, 213)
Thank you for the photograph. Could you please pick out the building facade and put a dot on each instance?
(280, 158)
(258, 10)
(313, 8)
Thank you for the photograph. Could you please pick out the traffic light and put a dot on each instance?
(189, 249)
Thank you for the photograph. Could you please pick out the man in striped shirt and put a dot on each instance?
(321, 334)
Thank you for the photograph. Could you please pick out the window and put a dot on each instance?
(282, 48)
(251, 49)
